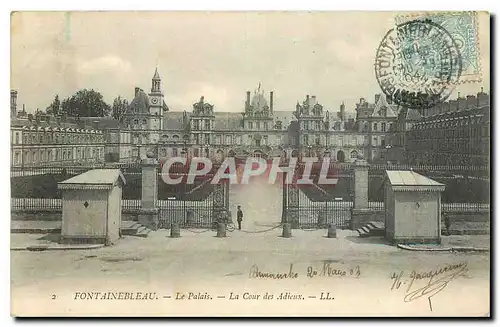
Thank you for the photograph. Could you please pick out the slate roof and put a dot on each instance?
(103, 122)
(140, 104)
(228, 120)
(413, 114)
(381, 103)
(173, 120)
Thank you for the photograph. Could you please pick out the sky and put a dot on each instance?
(219, 55)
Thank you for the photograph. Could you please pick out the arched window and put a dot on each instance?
(354, 154)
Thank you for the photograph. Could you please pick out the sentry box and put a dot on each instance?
(412, 208)
(92, 204)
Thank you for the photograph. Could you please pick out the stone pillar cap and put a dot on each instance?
(149, 162)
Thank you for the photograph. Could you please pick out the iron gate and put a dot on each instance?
(308, 206)
(195, 214)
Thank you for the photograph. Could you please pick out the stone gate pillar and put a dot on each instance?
(148, 214)
(292, 213)
(360, 214)
(220, 208)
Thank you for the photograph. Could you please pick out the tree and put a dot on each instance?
(85, 103)
(119, 107)
(55, 107)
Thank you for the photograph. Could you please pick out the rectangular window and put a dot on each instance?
(383, 127)
(278, 139)
(250, 125)
(317, 140)
(375, 126)
(258, 125)
(318, 126)
(266, 126)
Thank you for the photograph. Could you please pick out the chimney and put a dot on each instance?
(13, 102)
(30, 117)
(307, 100)
(342, 112)
(438, 108)
(471, 101)
(271, 101)
(361, 100)
(247, 104)
(453, 105)
(483, 99)
(377, 97)
(462, 102)
(137, 89)
(445, 107)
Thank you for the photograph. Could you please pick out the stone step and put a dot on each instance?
(362, 233)
(366, 230)
(377, 224)
(144, 232)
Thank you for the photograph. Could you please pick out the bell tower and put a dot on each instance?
(156, 105)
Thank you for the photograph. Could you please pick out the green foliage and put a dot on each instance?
(85, 103)
(119, 107)
(55, 107)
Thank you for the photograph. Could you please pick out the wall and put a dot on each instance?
(114, 213)
(416, 215)
(82, 222)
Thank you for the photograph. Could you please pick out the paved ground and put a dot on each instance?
(204, 263)
(355, 272)
(260, 202)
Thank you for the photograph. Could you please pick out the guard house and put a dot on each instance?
(92, 207)
(412, 208)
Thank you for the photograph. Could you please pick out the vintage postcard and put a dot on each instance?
(184, 164)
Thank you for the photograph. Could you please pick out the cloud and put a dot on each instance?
(104, 64)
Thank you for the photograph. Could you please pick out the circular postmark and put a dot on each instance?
(418, 64)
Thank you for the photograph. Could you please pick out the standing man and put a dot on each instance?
(239, 217)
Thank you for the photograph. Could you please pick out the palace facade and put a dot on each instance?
(455, 132)
(258, 130)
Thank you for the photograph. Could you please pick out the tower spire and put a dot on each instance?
(156, 75)
(156, 81)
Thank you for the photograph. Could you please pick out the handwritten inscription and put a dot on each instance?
(426, 283)
(256, 273)
(329, 270)
(326, 270)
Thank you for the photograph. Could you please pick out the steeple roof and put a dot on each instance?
(156, 75)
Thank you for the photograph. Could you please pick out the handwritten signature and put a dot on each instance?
(434, 281)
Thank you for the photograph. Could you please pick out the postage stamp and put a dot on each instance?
(463, 27)
(418, 64)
